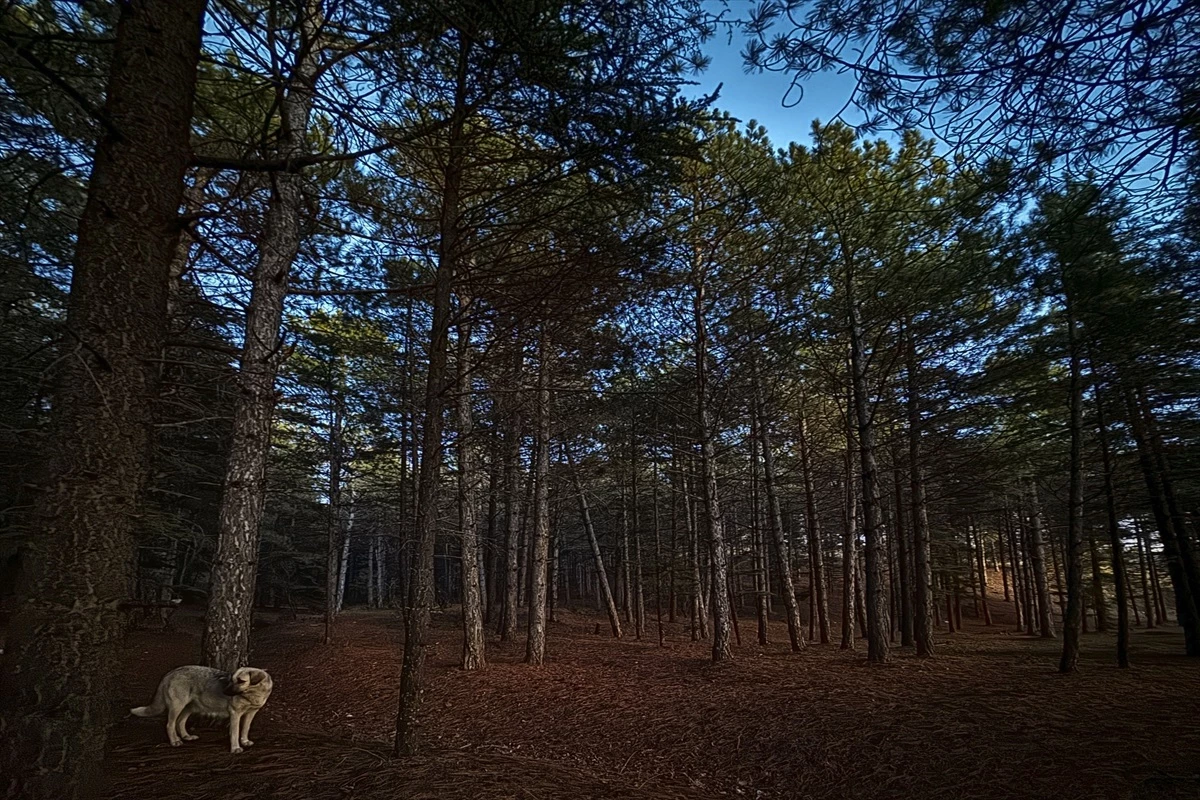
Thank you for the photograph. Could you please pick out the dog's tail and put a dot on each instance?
(157, 706)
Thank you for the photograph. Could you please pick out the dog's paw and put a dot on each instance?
(246, 742)
(191, 737)
(176, 743)
(236, 750)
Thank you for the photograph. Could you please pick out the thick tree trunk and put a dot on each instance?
(923, 603)
(778, 537)
(62, 653)
(437, 384)
(535, 643)
(470, 481)
(722, 610)
(226, 641)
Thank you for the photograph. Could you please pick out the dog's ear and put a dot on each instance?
(256, 677)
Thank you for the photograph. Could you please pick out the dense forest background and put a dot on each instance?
(469, 304)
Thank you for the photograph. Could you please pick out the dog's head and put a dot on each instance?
(246, 679)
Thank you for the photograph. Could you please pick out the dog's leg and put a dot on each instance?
(247, 718)
(235, 723)
(173, 712)
(183, 731)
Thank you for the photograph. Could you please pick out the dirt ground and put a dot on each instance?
(988, 718)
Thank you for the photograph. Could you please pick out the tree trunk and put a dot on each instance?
(604, 591)
(512, 509)
(450, 241)
(904, 567)
(62, 656)
(813, 523)
(775, 523)
(535, 643)
(470, 481)
(1072, 623)
(923, 610)
(1037, 557)
(226, 641)
(722, 610)
(981, 572)
(876, 563)
(849, 548)
(1148, 601)
(1099, 602)
(1187, 604)
(339, 544)
(639, 589)
(1114, 532)
(344, 562)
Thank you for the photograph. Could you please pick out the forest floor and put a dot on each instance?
(989, 717)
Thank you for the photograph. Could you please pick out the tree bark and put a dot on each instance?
(470, 481)
(905, 566)
(1114, 532)
(512, 508)
(1037, 557)
(62, 655)
(981, 572)
(1072, 623)
(923, 610)
(775, 523)
(876, 562)
(1180, 563)
(849, 548)
(535, 643)
(450, 241)
(604, 590)
(813, 524)
(721, 608)
(226, 641)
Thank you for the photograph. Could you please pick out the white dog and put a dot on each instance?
(210, 692)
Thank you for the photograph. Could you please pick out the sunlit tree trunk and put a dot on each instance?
(62, 658)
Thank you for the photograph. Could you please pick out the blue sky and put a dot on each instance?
(762, 96)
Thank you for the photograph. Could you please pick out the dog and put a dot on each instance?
(210, 692)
